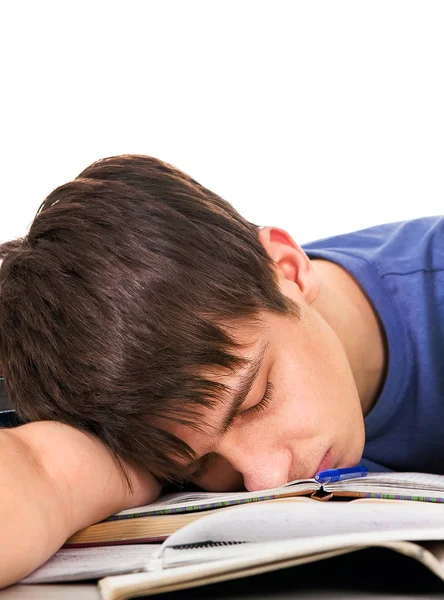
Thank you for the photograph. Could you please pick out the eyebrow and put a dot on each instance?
(244, 387)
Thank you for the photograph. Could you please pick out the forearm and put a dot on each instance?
(55, 480)
(33, 522)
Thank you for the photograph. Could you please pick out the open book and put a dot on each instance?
(156, 521)
(247, 540)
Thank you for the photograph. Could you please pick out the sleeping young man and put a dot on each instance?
(149, 333)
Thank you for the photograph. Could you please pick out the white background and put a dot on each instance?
(320, 117)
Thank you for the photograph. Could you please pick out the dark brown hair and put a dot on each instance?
(111, 306)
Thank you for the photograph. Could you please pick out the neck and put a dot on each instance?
(345, 307)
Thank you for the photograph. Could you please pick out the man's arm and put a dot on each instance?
(55, 480)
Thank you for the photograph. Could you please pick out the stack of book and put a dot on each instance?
(195, 538)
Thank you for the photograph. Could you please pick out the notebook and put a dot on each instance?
(249, 539)
(156, 521)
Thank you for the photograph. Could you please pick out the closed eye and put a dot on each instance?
(205, 464)
(207, 461)
(263, 402)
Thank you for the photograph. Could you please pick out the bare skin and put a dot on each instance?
(326, 370)
(55, 480)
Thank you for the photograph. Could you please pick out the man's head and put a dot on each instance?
(302, 401)
(136, 301)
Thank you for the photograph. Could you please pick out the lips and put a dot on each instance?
(326, 462)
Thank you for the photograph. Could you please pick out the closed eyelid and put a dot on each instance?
(204, 465)
(244, 389)
(266, 398)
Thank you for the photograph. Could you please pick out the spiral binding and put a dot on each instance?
(206, 544)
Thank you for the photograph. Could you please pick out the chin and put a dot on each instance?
(351, 459)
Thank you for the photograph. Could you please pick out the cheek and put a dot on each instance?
(301, 403)
(220, 477)
(320, 401)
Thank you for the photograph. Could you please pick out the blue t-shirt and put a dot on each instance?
(400, 266)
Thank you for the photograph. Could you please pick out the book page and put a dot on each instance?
(190, 501)
(432, 485)
(291, 520)
(147, 584)
(384, 483)
(436, 548)
(91, 563)
(182, 577)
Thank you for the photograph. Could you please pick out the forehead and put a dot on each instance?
(203, 433)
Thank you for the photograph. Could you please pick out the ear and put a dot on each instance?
(290, 260)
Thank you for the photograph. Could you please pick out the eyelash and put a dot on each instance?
(265, 400)
(204, 467)
(261, 405)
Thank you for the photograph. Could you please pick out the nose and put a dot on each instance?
(265, 476)
(261, 468)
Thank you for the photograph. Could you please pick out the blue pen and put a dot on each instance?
(331, 475)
